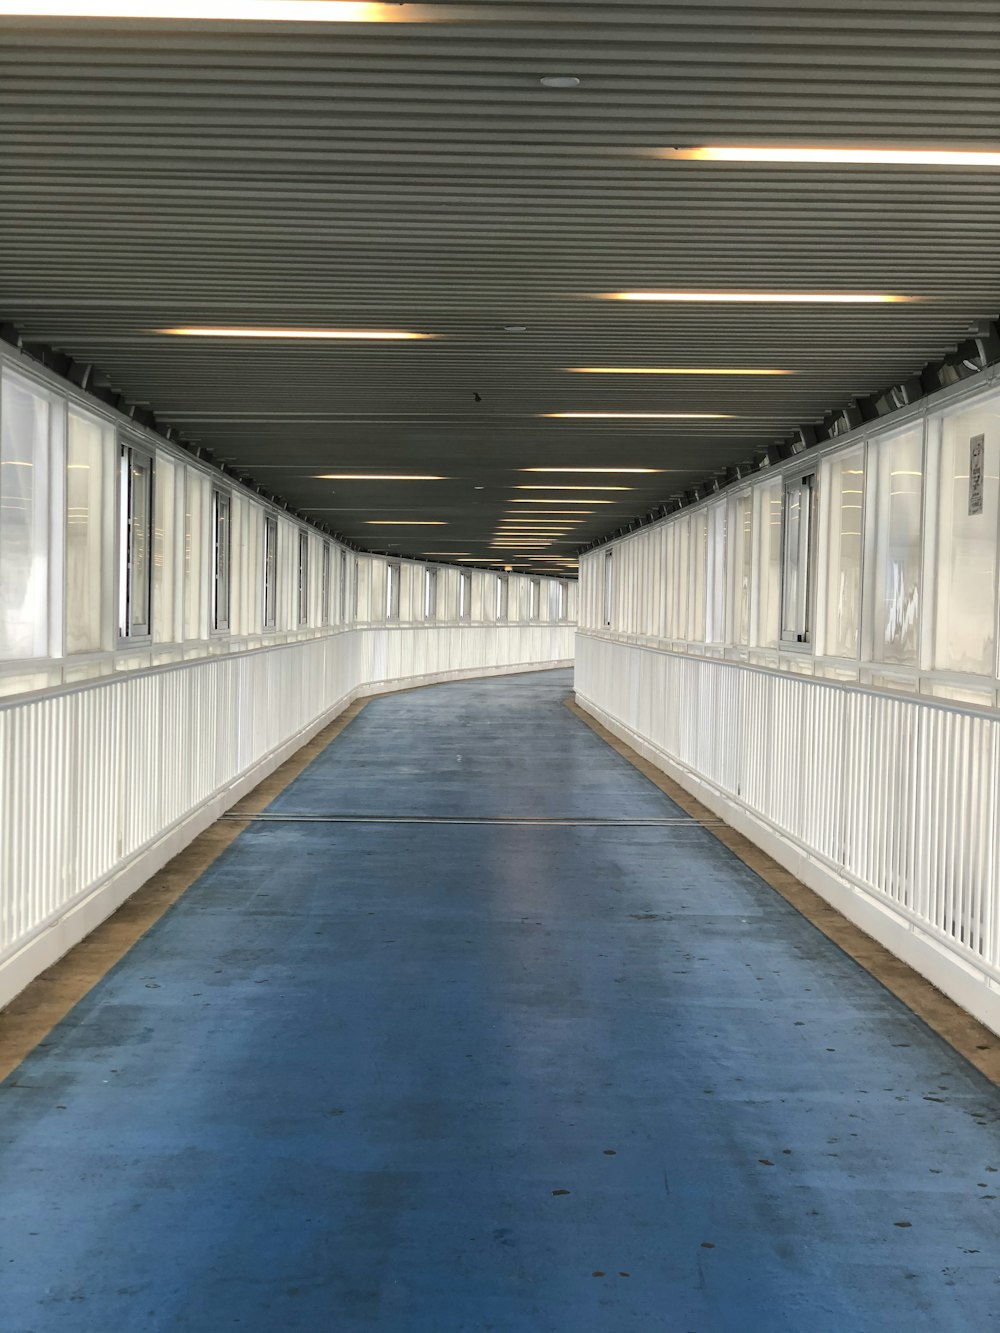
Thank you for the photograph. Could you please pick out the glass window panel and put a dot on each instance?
(325, 593)
(716, 555)
(270, 571)
(742, 548)
(897, 548)
(392, 592)
(222, 550)
(164, 547)
(609, 575)
(796, 574)
(430, 593)
(135, 536)
(343, 586)
(699, 559)
(770, 500)
(24, 536)
(682, 577)
(195, 576)
(89, 473)
(844, 479)
(967, 541)
(502, 595)
(303, 577)
(464, 595)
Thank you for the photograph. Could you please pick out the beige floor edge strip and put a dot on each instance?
(965, 1034)
(31, 1016)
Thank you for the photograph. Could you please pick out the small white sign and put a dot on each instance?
(977, 446)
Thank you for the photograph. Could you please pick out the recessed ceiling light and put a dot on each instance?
(371, 335)
(668, 370)
(560, 81)
(406, 523)
(262, 11)
(571, 486)
(515, 328)
(373, 476)
(801, 298)
(638, 416)
(879, 157)
(556, 511)
(623, 470)
(452, 555)
(553, 500)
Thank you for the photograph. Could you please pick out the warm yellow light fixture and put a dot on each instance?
(622, 470)
(877, 157)
(671, 370)
(570, 486)
(802, 298)
(243, 11)
(371, 335)
(373, 476)
(406, 523)
(553, 500)
(638, 416)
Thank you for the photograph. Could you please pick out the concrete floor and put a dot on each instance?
(446, 1078)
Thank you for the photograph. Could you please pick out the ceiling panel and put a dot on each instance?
(419, 177)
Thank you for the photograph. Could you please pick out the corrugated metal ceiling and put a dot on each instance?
(419, 177)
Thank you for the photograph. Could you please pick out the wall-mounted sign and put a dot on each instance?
(977, 446)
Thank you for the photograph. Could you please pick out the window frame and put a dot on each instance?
(130, 629)
(430, 592)
(302, 585)
(270, 572)
(393, 580)
(221, 610)
(325, 591)
(464, 594)
(801, 634)
(502, 604)
(534, 598)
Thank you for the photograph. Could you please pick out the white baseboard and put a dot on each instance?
(955, 976)
(56, 936)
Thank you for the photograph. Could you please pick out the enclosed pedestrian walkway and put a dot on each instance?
(474, 1030)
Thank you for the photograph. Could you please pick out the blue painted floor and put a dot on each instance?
(447, 1078)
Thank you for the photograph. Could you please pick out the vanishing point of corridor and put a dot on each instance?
(476, 1031)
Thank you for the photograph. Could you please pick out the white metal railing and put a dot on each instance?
(92, 776)
(897, 795)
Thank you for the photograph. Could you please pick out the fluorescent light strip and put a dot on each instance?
(551, 500)
(242, 11)
(638, 416)
(622, 470)
(571, 486)
(370, 335)
(373, 476)
(560, 512)
(669, 370)
(802, 298)
(406, 523)
(877, 157)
